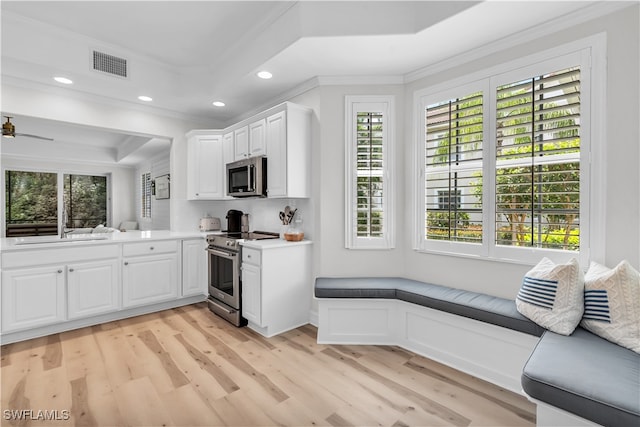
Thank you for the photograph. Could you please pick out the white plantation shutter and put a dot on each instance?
(145, 195)
(368, 165)
(453, 169)
(538, 161)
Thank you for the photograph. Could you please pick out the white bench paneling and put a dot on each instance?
(490, 352)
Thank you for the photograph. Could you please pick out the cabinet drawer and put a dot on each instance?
(150, 248)
(58, 255)
(251, 256)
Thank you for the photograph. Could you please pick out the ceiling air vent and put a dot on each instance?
(109, 64)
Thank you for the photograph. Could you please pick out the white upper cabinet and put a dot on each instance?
(256, 138)
(241, 143)
(249, 140)
(206, 168)
(282, 134)
(288, 150)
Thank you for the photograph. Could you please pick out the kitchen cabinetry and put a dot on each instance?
(282, 134)
(206, 171)
(276, 286)
(194, 267)
(249, 140)
(48, 286)
(33, 297)
(150, 272)
(287, 140)
(93, 288)
(53, 287)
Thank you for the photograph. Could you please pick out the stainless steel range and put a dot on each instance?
(225, 284)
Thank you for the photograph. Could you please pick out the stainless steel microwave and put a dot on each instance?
(247, 177)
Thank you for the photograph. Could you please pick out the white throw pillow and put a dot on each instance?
(612, 304)
(552, 295)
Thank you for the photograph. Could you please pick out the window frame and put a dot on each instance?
(353, 106)
(60, 173)
(590, 55)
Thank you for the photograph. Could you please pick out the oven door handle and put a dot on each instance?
(226, 255)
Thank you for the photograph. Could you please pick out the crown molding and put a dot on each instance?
(589, 13)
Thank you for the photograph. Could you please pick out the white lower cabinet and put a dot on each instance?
(33, 297)
(276, 287)
(63, 286)
(149, 279)
(251, 294)
(93, 288)
(194, 267)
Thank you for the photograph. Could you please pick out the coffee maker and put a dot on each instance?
(234, 219)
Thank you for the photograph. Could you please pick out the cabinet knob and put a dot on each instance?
(59, 271)
(151, 248)
(71, 270)
(248, 256)
(126, 263)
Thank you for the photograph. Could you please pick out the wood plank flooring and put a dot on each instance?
(187, 367)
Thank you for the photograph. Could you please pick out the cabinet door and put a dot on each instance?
(276, 149)
(251, 294)
(257, 138)
(194, 267)
(149, 279)
(32, 297)
(92, 288)
(228, 156)
(241, 143)
(206, 168)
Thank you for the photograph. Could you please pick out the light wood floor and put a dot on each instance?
(188, 367)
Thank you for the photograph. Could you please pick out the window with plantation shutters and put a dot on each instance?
(453, 169)
(505, 159)
(368, 160)
(537, 181)
(145, 195)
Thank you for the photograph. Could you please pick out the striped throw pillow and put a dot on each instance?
(612, 304)
(552, 295)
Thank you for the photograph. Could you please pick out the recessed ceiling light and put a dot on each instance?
(63, 80)
(264, 75)
(145, 98)
(219, 103)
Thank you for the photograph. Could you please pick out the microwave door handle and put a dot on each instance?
(250, 177)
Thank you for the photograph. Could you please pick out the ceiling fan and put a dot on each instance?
(9, 131)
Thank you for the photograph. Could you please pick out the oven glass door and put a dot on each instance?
(224, 277)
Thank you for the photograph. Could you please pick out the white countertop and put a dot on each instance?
(41, 242)
(272, 243)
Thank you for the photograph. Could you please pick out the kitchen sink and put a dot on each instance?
(55, 239)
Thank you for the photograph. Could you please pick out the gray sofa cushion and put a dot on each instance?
(587, 376)
(486, 308)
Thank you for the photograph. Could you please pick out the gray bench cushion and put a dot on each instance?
(486, 308)
(586, 375)
(357, 287)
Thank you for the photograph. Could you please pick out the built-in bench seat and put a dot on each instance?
(581, 374)
(486, 308)
(585, 375)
